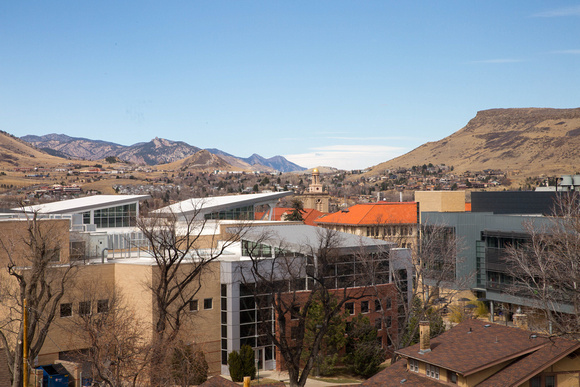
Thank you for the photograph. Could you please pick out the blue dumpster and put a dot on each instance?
(54, 375)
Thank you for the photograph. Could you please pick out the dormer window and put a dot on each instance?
(413, 365)
(432, 371)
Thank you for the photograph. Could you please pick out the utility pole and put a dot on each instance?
(25, 344)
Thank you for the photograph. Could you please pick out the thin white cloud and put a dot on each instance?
(572, 52)
(559, 12)
(504, 60)
(346, 156)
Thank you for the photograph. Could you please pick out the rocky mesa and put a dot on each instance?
(527, 141)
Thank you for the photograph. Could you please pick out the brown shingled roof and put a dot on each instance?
(473, 345)
(394, 374)
(525, 368)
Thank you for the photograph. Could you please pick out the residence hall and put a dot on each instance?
(243, 319)
(393, 221)
(477, 353)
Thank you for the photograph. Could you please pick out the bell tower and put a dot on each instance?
(315, 197)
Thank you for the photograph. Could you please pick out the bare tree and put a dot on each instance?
(545, 268)
(287, 282)
(116, 347)
(37, 270)
(433, 264)
(182, 245)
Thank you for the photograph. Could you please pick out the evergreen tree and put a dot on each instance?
(364, 353)
(297, 211)
(333, 341)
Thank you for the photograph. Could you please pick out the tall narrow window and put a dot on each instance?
(84, 308)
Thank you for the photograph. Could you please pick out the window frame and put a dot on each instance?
(205, 303)
(193, 305)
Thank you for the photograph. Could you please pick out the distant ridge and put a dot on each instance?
(154, 152)
(527, 141)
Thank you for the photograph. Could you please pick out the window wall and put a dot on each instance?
(119, 216)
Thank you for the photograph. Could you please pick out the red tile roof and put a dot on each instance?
(309, 214)
(374, 213)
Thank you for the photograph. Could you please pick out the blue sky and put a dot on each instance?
(347, 84)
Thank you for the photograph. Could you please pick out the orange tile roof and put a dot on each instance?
(374, 213)
(467, 207)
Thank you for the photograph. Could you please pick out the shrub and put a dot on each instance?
(235, 366)
(242, 364)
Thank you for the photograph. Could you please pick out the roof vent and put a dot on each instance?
(344, 210)
(533, 336)
(469, 330)
(403, 381)
(487, 325)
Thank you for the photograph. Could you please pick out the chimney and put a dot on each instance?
(424, 337)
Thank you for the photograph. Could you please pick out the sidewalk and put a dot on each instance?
(283, 377)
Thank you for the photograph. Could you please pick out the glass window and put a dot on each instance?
(413, 365)
(536, 381)
(66, 310)
(102, 306)
(452, 376)
(550, 381)
(295, 312)
(378, 324)
(84, 308)
(193, 306)
(364, 307)
(208, 303)
(432, 371)
(378, 306)
(349, 307)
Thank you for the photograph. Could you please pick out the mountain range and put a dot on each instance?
(520, 141)
(154, 152)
